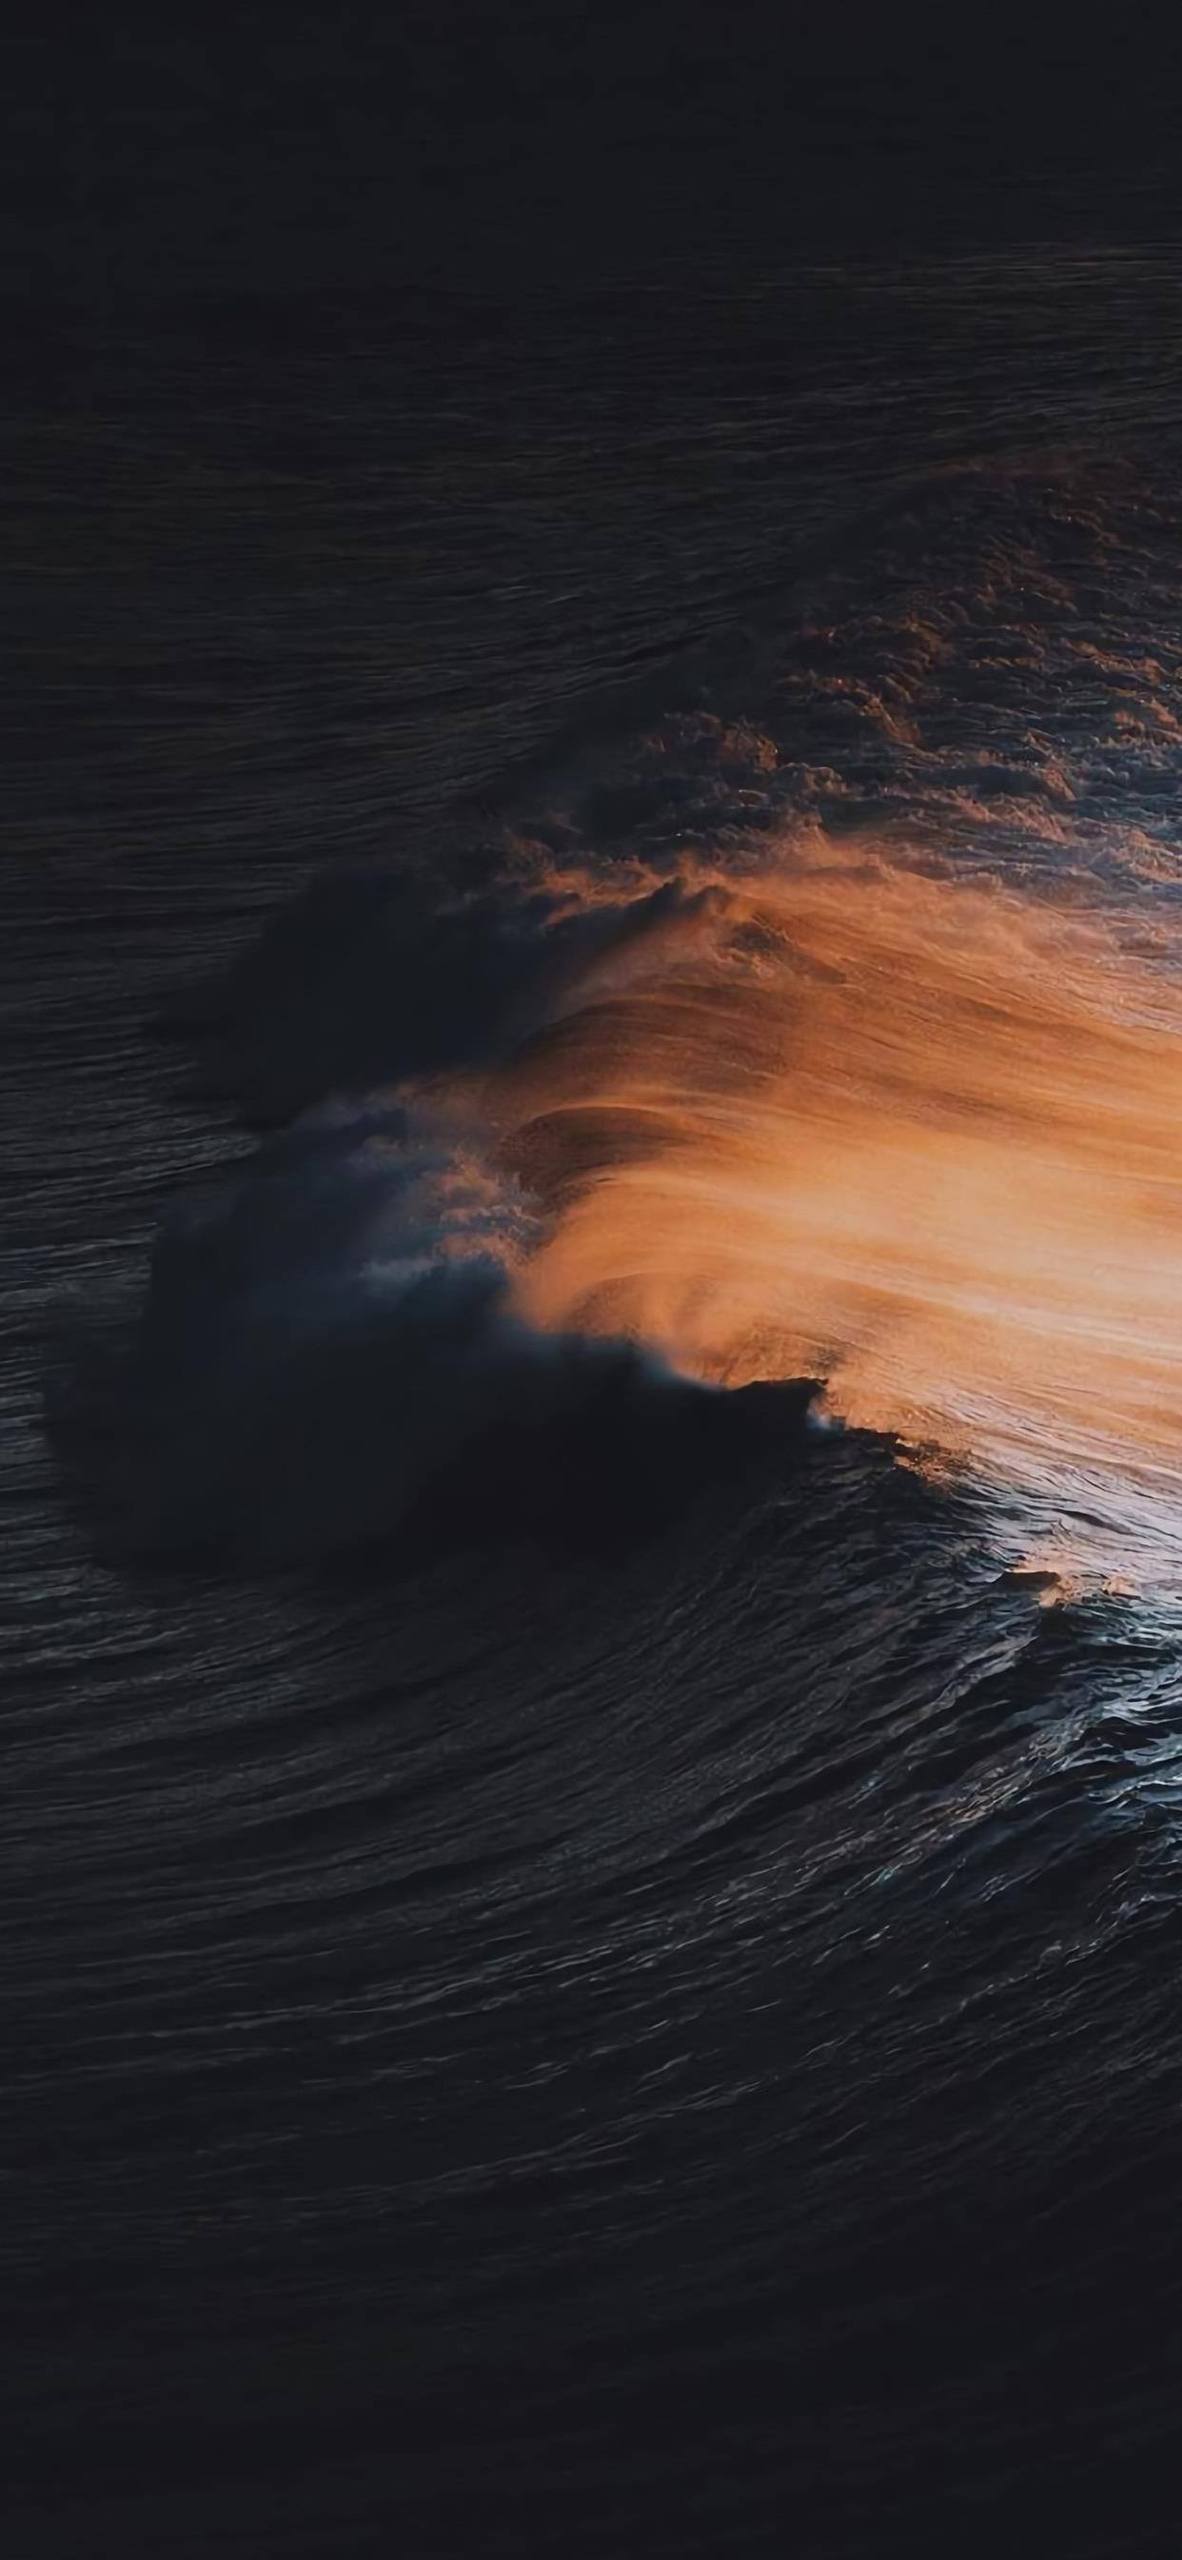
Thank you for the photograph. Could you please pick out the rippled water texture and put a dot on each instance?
(594, 1962)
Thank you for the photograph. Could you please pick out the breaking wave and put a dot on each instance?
(731, 1069)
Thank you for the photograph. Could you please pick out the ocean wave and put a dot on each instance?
(679, 1084)
(641, 1950)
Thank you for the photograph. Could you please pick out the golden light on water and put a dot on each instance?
(851, 1119)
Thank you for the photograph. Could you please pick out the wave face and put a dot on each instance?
(831, 1115)
(899, 1103)
(772, 1073)
(593, 1867)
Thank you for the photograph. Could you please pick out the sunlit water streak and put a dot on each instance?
(838, 1116)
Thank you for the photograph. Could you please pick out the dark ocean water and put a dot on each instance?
(637, 2011)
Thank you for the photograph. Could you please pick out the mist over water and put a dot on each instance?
(921, 1137)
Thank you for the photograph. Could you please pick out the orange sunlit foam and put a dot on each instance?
(849, 1118)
